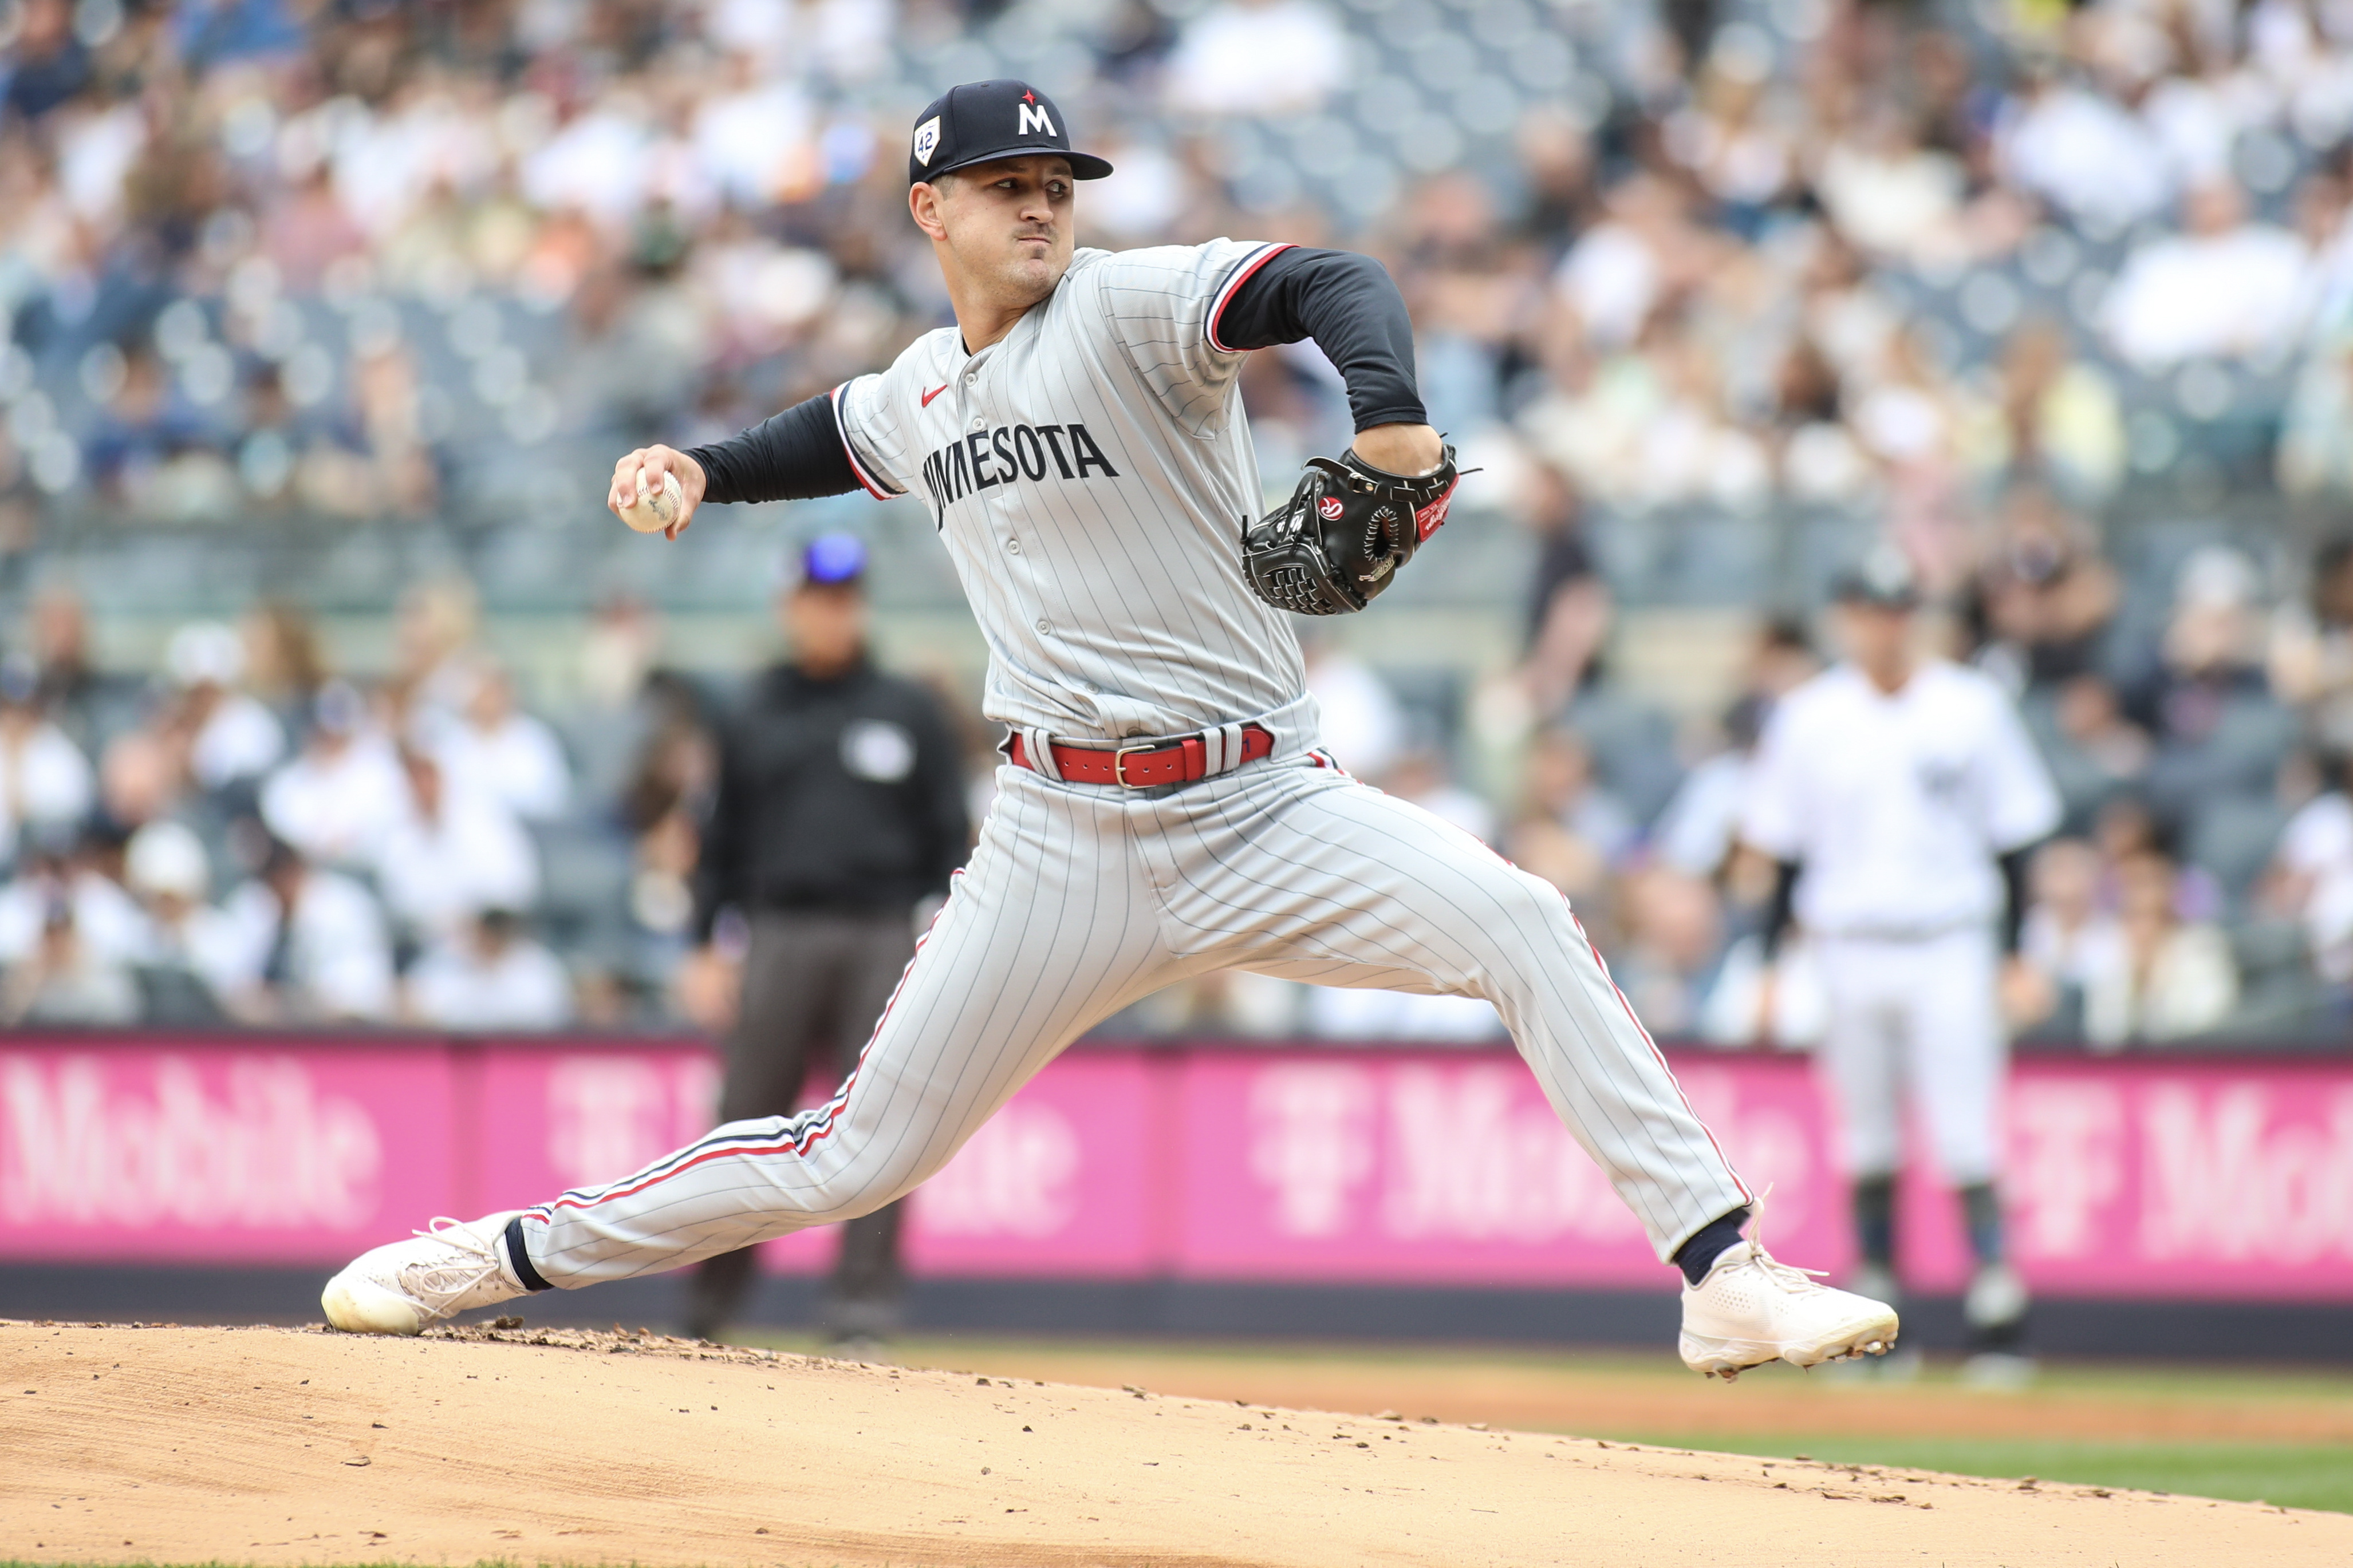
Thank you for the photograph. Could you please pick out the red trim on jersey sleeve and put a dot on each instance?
(857, 468)
(1242, 275)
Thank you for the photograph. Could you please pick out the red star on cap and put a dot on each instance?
(1029, 97)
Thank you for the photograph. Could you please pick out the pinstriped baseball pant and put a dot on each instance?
(1082, 899)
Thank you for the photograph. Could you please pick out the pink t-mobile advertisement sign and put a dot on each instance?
(2179, 1178)
(284, 1152)
(2134, 1177)
(1061, 1182)
(1429, 1169)
(563, 1116)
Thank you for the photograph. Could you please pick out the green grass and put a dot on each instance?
(2293, 1475)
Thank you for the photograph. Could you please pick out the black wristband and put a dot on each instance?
(1781, 912)
(2015, 867)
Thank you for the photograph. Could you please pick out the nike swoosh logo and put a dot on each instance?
(933, 393)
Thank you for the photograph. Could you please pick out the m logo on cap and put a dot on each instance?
(1033, 118)
(927, 141)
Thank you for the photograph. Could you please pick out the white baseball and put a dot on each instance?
(650, 513)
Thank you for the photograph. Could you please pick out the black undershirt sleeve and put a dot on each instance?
(794, 456)
(2015, 868)
(1351, 307)
(1782, 911)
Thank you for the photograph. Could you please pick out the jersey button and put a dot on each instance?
(980, 424)
(1042, 626)
(1013, 545)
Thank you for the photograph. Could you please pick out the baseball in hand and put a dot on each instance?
(656, 510)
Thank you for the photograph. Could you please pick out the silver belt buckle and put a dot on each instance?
(1119, 764)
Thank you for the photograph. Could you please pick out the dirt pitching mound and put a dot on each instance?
(276, 1446)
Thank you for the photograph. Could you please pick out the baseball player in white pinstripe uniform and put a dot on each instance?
(1901, 798)
(1164, 808)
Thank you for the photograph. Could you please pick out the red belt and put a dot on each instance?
(1142, 766)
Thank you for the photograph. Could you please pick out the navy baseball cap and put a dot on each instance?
(1883, 578)
(985, 120)
(828, 560)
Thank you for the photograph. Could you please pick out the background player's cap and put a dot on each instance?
(983, 120)
(1885, 577)
(827, 561)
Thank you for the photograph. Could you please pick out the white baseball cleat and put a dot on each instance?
(403, 1286)
(1750, 1309)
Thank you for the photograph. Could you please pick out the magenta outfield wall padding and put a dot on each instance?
(2168, 1178)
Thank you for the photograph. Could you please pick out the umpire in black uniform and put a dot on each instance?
(839, 815)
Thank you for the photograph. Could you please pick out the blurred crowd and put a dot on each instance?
(247, 836)
(2200, 884)
(1998, 280)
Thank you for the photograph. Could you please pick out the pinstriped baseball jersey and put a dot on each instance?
(1091, 473)
(1899, 804)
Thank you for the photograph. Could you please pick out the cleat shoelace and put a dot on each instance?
(449, 1282)
(1797, 1282)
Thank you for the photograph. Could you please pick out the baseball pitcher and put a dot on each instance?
(1163, 808)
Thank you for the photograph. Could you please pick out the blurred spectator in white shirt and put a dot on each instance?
(1695, 832)
(1258, 57)
(45, 780)
(192, 948)
(451, 854)
(1570, 829)
(309, 946)
(496, 750)
(2149, 975)
(2065, 924)
(491, 977)
(1422, 776)
(434, 630)
(230, 734)
(66, 978)
(1562, 786)
(2086, 154)
(2224, 287)
(1889, 194)
(141, 777)
(1745, 987)
(750, 134)
(2312, 877)
(1619, 270)
(1361, 721)
(106, 922)
(1673, 930)
(2310, 657)
(343, 792)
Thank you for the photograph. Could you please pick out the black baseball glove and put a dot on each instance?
(1339, 540)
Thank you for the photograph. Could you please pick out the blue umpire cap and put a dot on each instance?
(980, 121)
(827, 561)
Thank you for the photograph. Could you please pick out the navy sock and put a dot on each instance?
(1981, 1213)
(1695, 1256)
(520, 1261)
(1875, 1220)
